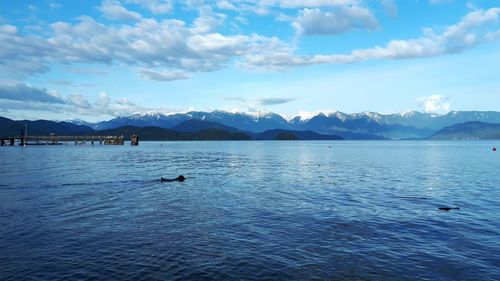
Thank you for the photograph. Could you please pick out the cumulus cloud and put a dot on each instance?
(208, 21)
(345, 18)
(274, 101)
(471, 30)
(112, 9)
(103, 101)
(149, 43)
(171, 49)
(155, 6)
(243, 6)
(20, 96)
(308, 3)
(265, 7)
(21, 54)
(435, 104)
(75, 104)
(17, 91)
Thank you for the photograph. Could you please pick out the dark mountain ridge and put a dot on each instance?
(194, 129)
(365, 125)
(10, 127)
(195, 125)
(280, 134)
(161, 134)
(474, 130)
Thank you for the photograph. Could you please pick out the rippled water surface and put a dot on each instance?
(251, 211)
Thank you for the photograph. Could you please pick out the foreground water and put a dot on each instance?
(251, 211)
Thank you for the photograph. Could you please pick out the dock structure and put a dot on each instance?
(59, 140)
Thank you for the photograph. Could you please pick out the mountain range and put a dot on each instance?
(192, 129)
(10, 127)
(332, 125)
(474, 130)
(365, 125)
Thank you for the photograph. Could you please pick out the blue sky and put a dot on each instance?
(94, 60)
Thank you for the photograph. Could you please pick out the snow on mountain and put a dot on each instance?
(377, 117)
(146, 115)
(407, 113)
(405, 124)
(304, 116)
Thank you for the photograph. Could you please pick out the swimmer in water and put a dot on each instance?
(180, 178)
(448, 208)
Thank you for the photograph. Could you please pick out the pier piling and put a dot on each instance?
(134, 140)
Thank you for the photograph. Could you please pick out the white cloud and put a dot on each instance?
(155, 6)
(78, 101)
(103, 101)
(226, 5)
(471, 30)
(264, 7)
(243, 6)
(208, 21)
(435, 104)
(274, 101)
(316, 22)
(308, 3)
(217, 43)
(167, 44)
(18, 91)
(8, 29)
(150, 74)
(17, 96)
(180, 48)
(112, 9)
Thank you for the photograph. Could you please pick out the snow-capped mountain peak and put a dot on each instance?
(305, 116)
(147, 115)
(407, 113)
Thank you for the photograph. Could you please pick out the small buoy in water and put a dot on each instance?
(329, 147)
(494, 149)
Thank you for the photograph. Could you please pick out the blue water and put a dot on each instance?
(360, 210)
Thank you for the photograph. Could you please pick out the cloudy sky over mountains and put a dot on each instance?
(97, 59)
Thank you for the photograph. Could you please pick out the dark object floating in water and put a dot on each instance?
(413, 197)
(180, 178)
(494, 149)
(448, 208)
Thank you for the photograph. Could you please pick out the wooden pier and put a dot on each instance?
(60, 140)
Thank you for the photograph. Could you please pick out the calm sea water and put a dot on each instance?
(361, 210)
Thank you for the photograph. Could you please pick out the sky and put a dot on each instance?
(94, 60)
